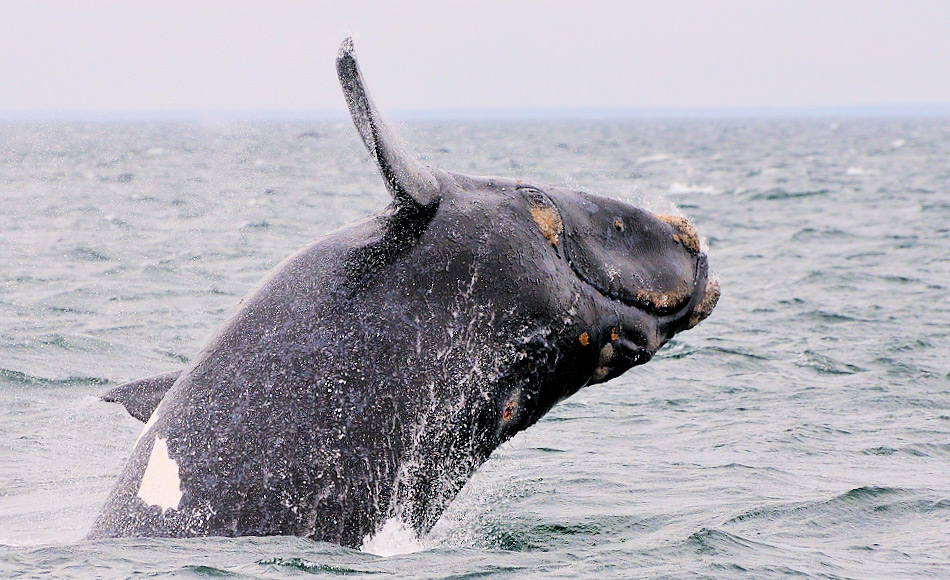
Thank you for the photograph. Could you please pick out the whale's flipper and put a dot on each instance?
(408, 180)
(140, 398)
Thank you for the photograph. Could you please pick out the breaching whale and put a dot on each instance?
(371, 372)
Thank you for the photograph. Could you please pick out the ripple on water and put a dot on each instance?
(825, 364)
(870, 506)
(309, 567)
(676, 349)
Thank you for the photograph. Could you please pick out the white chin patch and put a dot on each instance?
(160, 484)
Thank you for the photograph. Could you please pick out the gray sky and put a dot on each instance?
(277, 56)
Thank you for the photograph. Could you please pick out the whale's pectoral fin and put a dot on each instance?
(141, 397)
(409, 180)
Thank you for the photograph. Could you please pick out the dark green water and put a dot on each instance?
(802, 431)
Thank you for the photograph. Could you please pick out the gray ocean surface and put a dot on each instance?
(802, 431)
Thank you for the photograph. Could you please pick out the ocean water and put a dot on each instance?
(803, 430)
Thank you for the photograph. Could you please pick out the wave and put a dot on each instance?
(825, 364)
(855, 504)
(15, 378)
(779, 194)
(88, 255)
(914, 450)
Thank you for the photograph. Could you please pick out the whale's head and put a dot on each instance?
(646, 275)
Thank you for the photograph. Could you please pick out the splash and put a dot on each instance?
(393, 539)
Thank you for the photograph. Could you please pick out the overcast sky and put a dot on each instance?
(277, 56)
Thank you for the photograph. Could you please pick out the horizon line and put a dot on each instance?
(927, 110)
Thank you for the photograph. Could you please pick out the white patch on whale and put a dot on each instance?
(160, 484)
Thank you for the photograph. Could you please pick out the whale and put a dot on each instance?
(369, 374)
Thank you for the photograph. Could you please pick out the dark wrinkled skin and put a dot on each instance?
(374, 370)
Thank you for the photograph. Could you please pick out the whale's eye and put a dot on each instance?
(618, 224)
